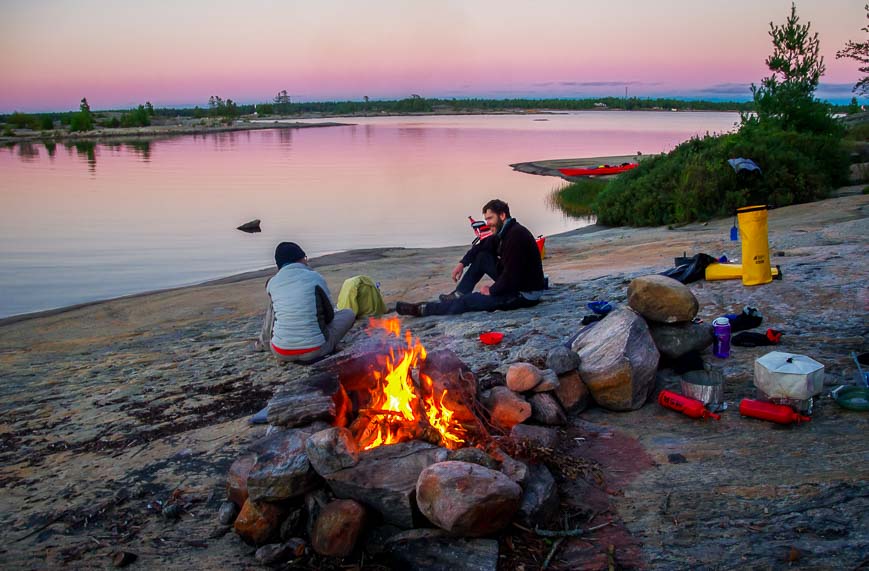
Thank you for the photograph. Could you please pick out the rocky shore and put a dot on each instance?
(119, 420)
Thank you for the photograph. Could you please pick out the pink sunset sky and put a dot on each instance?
(121, 53)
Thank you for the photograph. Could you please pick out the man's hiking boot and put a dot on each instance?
(405, 308)
(452, 296)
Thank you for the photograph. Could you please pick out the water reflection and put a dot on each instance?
(164, 212)
(28, 151)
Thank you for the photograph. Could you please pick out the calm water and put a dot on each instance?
(87, 222)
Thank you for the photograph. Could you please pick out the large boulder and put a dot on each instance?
(337, 528)
(618, 360)
(506, 408)
(677, 339)
(467, 499)
(282, 470)
(662, 299)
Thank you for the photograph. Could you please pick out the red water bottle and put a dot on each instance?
(769, 411)
(687, 406)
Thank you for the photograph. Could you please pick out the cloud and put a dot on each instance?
(590, 83)
(836, 88)
(727, 88)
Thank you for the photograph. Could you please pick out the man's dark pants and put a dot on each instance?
(485, 264)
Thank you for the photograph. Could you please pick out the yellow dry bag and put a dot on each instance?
(754, 235)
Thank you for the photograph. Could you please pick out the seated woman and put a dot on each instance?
(300, 323)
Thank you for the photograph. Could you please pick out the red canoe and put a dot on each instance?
(599, 171)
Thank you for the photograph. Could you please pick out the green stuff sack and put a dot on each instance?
(361, 294)
(754, 234)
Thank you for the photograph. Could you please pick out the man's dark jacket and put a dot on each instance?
(519, 265)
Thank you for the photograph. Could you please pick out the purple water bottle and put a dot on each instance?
(721, 338)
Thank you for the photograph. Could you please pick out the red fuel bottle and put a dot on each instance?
(770, 411)
(687, 406)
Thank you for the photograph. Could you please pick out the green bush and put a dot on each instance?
(695, 182)
(138, 117)
(576, 199)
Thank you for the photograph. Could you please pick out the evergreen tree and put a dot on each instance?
(859, 51)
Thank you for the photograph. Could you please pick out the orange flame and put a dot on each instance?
(397, 404)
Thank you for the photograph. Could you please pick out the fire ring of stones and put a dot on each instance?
(394, 450)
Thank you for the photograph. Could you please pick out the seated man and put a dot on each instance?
(510, 257)
(300, 322)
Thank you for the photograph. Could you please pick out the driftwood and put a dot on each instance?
(304, 401)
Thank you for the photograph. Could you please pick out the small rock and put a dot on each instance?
(331, 450)
(514, 469)
(467, 499)
(436, 550)
(548, 383)
(375, 541)
(572, 392)
(474, 456)
(227, 513)
(338, 528)
(506, 408)
(250, 227)
(172, 512)
(662, 299)
(546, 410)
(562, 360)
(277, 552)
(314, 502)
(677, 339)
(523, 377)
(539, 504)
(236, 485)
(258, 522)
(536, 436)
(123, 558)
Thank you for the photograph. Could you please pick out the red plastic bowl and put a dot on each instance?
(491, 337)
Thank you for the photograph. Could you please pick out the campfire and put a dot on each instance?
(396, 401)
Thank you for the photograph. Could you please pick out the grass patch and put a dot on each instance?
(577, 198)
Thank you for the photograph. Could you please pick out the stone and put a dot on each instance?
(506, 408)
(539, 504)
(385, 479)
(436, 550)
(331, 450)
(227, 513)
(618, 360)
(549, 382)
(301, 402)
(474, 456)
(562, 360)
(123, 558)
(292, 525)
(535, 436)
(251, 227)
(677, 339)
(523, 377)
(662, 299)
(236, 485)
(282, 470)
(467, 499)
(572, 392)
(546, 410)
(338, 527)
(314, 502)
(258, 522)
(277, 552)
(512, 468)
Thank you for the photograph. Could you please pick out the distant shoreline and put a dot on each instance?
(154, 132)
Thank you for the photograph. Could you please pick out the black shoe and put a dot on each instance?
(405, 308)
(452, 296)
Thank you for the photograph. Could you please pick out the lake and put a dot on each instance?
(83, 222)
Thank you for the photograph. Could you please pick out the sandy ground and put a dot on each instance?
(109, 408)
